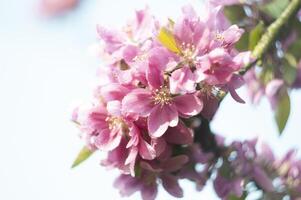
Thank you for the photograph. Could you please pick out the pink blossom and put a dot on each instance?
(57, 7)
(159, 105)
(225, 187)
(217, 67)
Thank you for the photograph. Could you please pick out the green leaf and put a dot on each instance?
(168, 40)
(295, 49)
(243, 196)
(235, 13)
(242, 44)
(282, 111)
(255, 35)
(233, 197)
(290, 68)
(83, 155)
(275, 8)
(225, 170)
(267, 73)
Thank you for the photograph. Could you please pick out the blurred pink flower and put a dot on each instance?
(57, 7)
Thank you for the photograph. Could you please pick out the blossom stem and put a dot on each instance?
(271, 33)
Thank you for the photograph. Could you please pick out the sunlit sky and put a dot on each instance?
(46, 69)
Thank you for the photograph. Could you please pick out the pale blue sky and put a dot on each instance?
(45, 69)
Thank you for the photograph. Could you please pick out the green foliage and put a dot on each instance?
(275, 8)
(226, 170)
(295, 49)
(267, 73)
(233, 197)
(83, 155)
(282, 111)
(255, 35)
(235, 13)
(290, 69)
(242, 44)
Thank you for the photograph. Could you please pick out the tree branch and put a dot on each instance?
(271, 33)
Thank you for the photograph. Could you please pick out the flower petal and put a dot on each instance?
(188, 104)
(138, 102)
(113, 91)
(149, 192)
(175, 163)
(154, 77)
(262, 179)
(171, 185)
(160, 118)
(179, 134)
(131, 160)
(182, 81)
(146, 151)
(107, 140)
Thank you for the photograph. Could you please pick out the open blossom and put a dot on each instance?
(159, 105)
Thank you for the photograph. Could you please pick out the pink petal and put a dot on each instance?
(127, 185)
(175, 163)
(211, 107)
(114, 108)
(149, 192)
(179, 134)
(182, 81)
(171, 185)
(134, 134)
(113, 91)
(159, 144)
(262, 179)
(139, 101)
(273, 87)
(154, 77)
(160, 118)
(130, 52)
(158, 58)
(146, 151)
(107, 140)
(188, 104)
(149, 167)
(113, 39)
(243, 58)
(131, 160)
(232, 34)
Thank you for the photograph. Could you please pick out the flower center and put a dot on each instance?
(116, 122)
(188, 52)
(219, 37)
(141, 57)
(210, 90)
(162, 96)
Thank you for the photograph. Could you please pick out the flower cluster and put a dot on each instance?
(159, 89)
(155, 80)
(241, 169)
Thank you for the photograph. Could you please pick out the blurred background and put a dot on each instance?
(46, 68)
